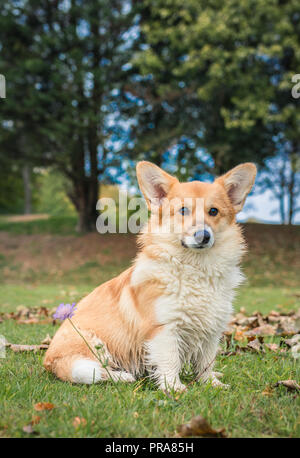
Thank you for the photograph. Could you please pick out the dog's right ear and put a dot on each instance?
(153, 182)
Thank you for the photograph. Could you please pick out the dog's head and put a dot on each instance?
(194, 214)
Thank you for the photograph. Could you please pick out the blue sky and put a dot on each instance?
(263, 207)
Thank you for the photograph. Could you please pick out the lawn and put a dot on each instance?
(45, 263)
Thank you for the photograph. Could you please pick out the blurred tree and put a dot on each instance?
(11, 188)
(63, 63)
(52, 197)
(218, 75)
(281, 176)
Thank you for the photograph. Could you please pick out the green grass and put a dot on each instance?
(244, 410)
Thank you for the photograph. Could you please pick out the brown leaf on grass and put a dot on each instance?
(293, 341)
(43, 406)
(198, 426)
(29, 321)
(249, 321)
(275, 323)
(28, 429)
(288, 326)
(240, 335)
(35, 419)
(79, 421)
(47, 340)
(274, 313)
(255, 345)
(289, 384)
(272, 346)
(264, 330)
(17, 348)
(26, 315)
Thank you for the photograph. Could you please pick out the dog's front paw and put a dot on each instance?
(217, 383)
(178, 387)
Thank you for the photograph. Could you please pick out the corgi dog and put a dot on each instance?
(173, 304)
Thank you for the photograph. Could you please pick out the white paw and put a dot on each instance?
(217, 374)
(216, 382)
(176, 386)
(122, 376)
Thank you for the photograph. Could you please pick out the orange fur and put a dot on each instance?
(132, 324)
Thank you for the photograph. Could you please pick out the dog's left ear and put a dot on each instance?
(238, 182)
(154, 182)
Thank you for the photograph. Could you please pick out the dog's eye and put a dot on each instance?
(184, 211)
(213, 211)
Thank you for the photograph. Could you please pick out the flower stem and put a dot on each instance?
(98, 358)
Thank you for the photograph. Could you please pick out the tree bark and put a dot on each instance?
(26, 173)
(282, 193)
(85, 200)
(291, 188)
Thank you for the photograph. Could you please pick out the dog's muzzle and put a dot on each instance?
(202, 238)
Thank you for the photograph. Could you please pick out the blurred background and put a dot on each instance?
(195, 86)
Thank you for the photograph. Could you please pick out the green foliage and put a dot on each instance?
(11, 189)
(52, 194)
(220, 73)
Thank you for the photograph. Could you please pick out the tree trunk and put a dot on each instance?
(85, 200)
(291, 188)
(282, 211)
(282, 192)
(26, 173)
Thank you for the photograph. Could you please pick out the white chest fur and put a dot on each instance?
(197, 298)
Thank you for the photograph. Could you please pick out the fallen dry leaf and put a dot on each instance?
(33, 315)
(79, 421)
(288, 326)
(293, 341)
(44, 406)
(28, 429)
(289, 384)
(264, 330)
(255, 345)
(47, 340)
(29, 321)
(198, 426)
(35, 419)
(240, 335)
(272, 346)
(275, 323)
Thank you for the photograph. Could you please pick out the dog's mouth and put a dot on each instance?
(197, 247)
(194, 246)
(200, 240)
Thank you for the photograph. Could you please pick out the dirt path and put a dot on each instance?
(47, 252)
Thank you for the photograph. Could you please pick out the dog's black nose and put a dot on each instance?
(202, 237)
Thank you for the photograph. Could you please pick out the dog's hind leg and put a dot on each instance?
(90, 371)
(80, 369)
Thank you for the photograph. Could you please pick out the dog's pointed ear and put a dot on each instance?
(153, 182)
(238, 182)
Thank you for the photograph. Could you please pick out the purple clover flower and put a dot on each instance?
(64, 311)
